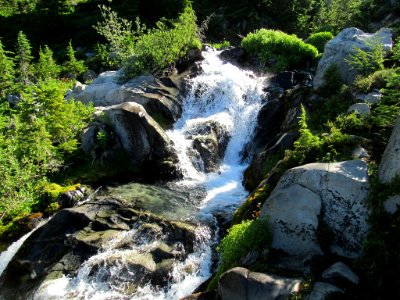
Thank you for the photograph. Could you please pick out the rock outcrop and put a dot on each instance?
(126, 130)
(160, 97)
(339, 49)
(240, 283)
(320, 208)
(210, 140)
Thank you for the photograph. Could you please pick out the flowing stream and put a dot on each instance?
(229, 98)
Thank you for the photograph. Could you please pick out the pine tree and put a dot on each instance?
(46, 67)
(6, 71)
(73, 67)
(24, 58)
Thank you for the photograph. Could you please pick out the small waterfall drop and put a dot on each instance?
(232, 98)
(229, 98)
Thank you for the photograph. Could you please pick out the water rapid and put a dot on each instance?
(227, 99)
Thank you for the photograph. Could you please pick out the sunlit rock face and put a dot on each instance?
(320, 208)
(338, 50)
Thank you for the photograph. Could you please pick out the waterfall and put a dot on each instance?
(232, 98)
(227, 97)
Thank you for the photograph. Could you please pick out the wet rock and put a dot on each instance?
(71, 198)
(210, 140)
(339, 272)
(389, 167)
(73, 235)
(323, 291)
(233, 55)
(320, 207)
(269, 121)
(339, 49)
(240, 283)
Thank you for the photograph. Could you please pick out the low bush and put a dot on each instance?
(319, 39)
(366, 62)
(376, 80)
(279, 50)
(242, 239)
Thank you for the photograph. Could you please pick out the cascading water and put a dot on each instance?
(222, 95)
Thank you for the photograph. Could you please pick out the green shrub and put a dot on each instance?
(287, 51)
(376, 80)
(367, 61)
(72, 66)
(332, 80)
(243, 238)
(319, 39)
(150, 50)
(336, 15)
(222, 45)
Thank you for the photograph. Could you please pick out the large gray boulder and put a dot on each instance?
(239, 283)
(158, 97)
(129, 131)
(340, 48)
(389, 167)
(320, 207)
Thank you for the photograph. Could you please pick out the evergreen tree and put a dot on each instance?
(6, 71)
(24, 58)
(72, 66)
(46, 67)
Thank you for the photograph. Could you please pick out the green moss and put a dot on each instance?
(252, 235)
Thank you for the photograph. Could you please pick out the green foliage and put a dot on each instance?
(24, 58)
(368, 61)
(332, 80)
(119, 32)
(72, 66)
(149, 50)
(252, 235)
(35, 139)
(222, 45)
(336, 15)
(242, 239)
(388, 109)
(103, 59)
(319, 39)
(380, 261)
(288, 51)
(376, 80)
(162, 46)
(6, 71)
(46, 67)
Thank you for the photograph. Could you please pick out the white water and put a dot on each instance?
(231, 97)
(224, 94)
